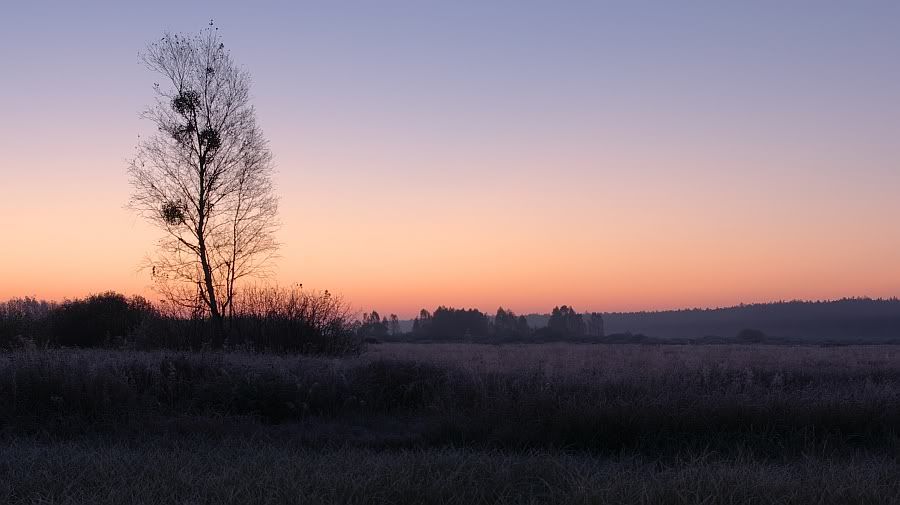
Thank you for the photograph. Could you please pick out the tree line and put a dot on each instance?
(265, 319)
(272, 319)
(448, 323)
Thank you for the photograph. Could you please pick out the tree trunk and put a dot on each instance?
(218, 324)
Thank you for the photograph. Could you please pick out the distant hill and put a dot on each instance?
(849, 319)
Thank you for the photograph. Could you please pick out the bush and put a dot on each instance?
(12, 325)
(163, 329)
(99, 320)
(23, 321)
(261, 319)
(293, 320)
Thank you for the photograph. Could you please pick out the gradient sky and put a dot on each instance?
(609, 155)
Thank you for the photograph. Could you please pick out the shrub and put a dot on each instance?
(99, 320)
(12, 324)
(293, 320)
(23, 320)
(261, 319)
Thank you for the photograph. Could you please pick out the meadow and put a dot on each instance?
(454, 423)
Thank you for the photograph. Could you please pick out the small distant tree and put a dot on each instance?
(422, 324)
(204, 177)
(451, 322)
(595, 325)
(373, 326)
(565, 322)
(394, 325)
(507, 325)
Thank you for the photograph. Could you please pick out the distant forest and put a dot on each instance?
(844, 320)
(472, 325)
(865, 319)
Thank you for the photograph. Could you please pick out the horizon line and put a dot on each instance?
(894, 298)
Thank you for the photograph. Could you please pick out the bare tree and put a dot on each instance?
(204, 177)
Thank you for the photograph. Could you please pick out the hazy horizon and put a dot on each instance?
(524, 155)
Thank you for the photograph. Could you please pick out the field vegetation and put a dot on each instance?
(276, 471)
(478, 423)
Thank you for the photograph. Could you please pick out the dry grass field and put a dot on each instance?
(250, 471)
(630, 360)
(454, 423)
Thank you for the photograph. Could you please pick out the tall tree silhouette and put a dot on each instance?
(204, 177)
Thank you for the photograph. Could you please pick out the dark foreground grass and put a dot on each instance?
(714, 406)
(591, 424)
(244, 471)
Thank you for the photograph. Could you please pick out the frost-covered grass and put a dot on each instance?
(249, 472)
(431, 423)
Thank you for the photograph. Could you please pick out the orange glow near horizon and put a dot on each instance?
(588, 248)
